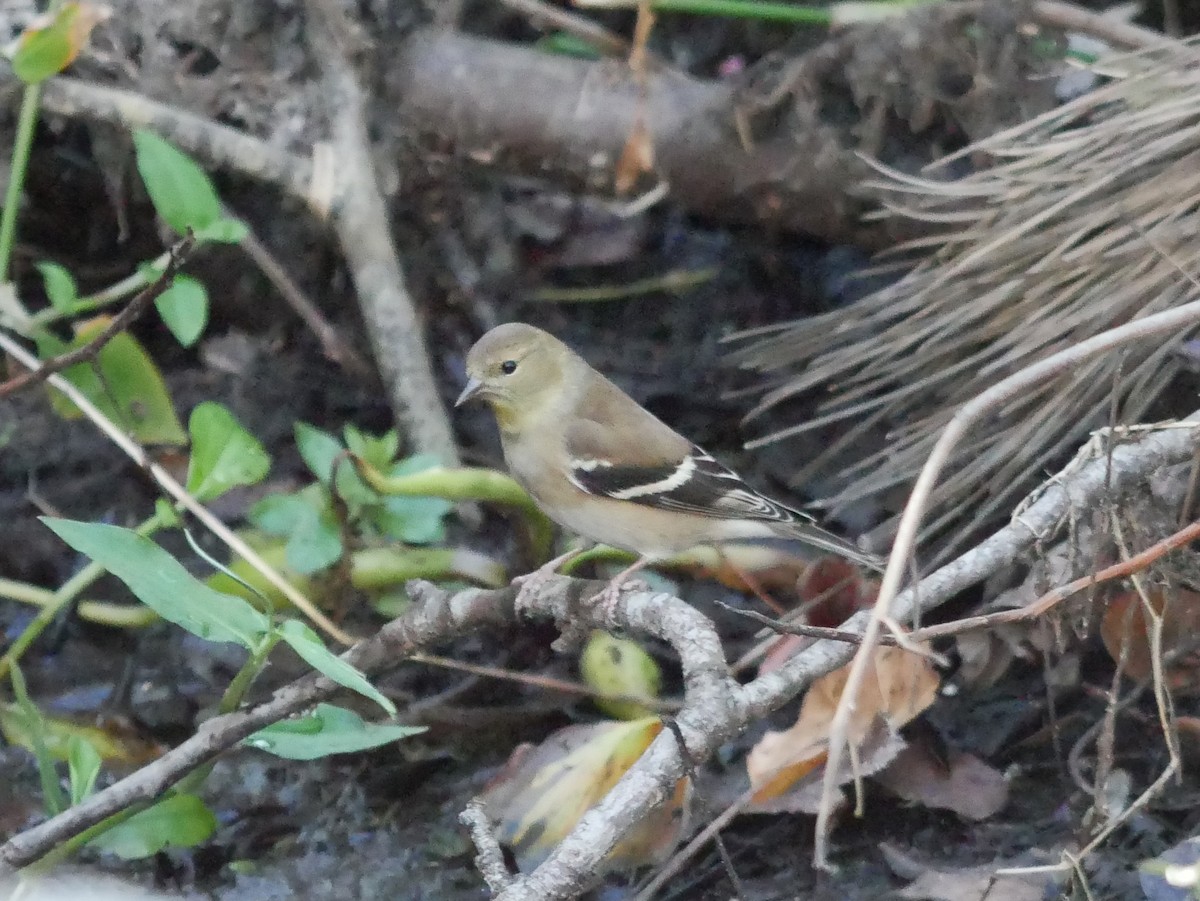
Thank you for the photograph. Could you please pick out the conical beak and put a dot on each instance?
(474, 386)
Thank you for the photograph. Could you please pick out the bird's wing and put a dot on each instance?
(651, 464)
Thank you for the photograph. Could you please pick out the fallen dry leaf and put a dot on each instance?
(973, 884)
(1126, 619)
(543, 790)
(898, 686)
(966, 884)
(963, 783)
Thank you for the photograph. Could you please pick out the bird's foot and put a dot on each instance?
(622, 581)
(611, 595)
(529, 585)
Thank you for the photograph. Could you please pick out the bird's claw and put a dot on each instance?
(611, 595)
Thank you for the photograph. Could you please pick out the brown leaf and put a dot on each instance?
(1126, 619)
(973, 884)
(964, 783)
(897, 687)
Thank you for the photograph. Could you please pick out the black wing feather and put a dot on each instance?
(698, 484)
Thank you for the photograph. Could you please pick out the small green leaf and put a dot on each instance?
(318, 449)
(328, 730)
(305, 642)
(59, 286)
(161, 583)
(377, 450)
(129, 388)
(223, 231)
(35, 725)
(314, 540)
(51, 43)
(180, 191)
(224, 455)
(180, 821)
(184, 309)
(414, 520)
(83, 765)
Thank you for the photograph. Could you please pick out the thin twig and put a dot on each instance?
(176, 258)
(543, 14)
(802, 629)
(489, 859)
(1126, 567)
(335, 347)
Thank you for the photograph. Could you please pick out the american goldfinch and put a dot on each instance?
(599, 464)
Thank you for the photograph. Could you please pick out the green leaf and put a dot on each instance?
(51, 43)
(180, 821)
(83, 765)
(161, 583)
(224, 455)
(377, 450)
(59, 286)
(314, 539)
(223, 231)
(184, 309)
(328, 730)
(35, 724)
(318, 449)
(305, 642)
(414, 520)
(129, 389)
(180, 191)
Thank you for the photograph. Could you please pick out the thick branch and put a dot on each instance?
(360, 217)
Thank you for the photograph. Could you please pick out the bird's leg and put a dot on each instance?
(528, 585)
(612, 592)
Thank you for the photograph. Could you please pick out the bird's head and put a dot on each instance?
(515, 368)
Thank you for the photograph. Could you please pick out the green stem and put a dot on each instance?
(748, 9)
(22, 145)
(61, 852)
(131, 284)
(234, 694)
(70, 590)
(121, 616)
(466, 484)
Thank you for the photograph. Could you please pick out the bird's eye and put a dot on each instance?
(508, 367)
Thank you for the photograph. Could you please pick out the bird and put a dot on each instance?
(599, 464)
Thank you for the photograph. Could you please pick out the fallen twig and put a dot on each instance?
(333, 344)
(1126, 567)
(361, 219)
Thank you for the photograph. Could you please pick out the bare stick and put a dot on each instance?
(335, 347)
(902, 550)
(1126, 567)
(361, 220)
(490, 858)
(435, 616)
(168, 483)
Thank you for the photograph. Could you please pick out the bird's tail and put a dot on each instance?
(815, 536)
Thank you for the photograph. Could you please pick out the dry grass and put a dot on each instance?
(1088, 217)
